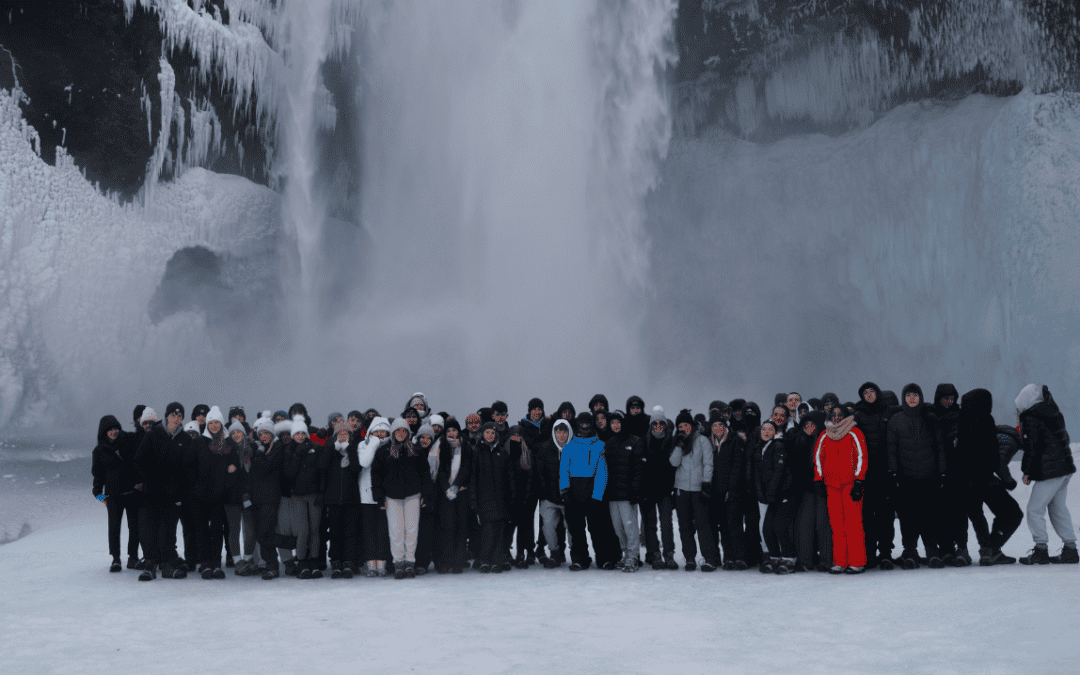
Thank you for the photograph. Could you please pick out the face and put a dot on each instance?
(401, 434)
(838, 415)
(684, 427)
(561, 434)
(174, 420)
(266, 437)
(146, 424)
(201, 419)
(473, 424)
(489, 435)
(437, 428)
(412, 420)
(793, 401)
(597, 406)
(535, 414)
(616, 426)
(299, 437)
(452, 433)
(417, 404)
(636, 409)
(237, 436)
(499, 417)
(912, 399)
(809, 428)
(566, 414)
(948, 401)
(601, 421)
(343, 437)
(719, 430)
(214, 426)
(869, 395)
(658, 427)
(767, 432)
(779, 415)
(737, 415)
(381, 433)
(425, 441)
(354, 423)
(113, 434)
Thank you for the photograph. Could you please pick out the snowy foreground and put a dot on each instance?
(62, 612)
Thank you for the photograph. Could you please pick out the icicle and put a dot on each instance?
(167, 78)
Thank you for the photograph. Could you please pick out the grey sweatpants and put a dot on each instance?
(300, 517)
(1049, 495)
(552, 514)
(624, 517)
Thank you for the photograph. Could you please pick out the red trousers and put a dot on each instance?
(845, 519)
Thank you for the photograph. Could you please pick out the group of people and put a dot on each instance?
(384, 496)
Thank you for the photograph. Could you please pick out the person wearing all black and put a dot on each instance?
(266, 466)
(975, 464)
(239, 516)
(657, 500)
(729, 472)
(813, 532)
(917, 461)
(163, 459)
(879, 499)
(308, 471)
(429, 444)
(451, 489)
(953, 503)
(115, 478)
(625, 455)
(751, 423)
(491, 495)
(636, 422)
(342, 498)
(600, 421)
(198, 415)
(525, 438)
(216, 472)
(598, 402)
(775, 484)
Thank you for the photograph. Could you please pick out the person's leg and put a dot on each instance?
(706, 535)
(186, 517)
(615, 511)
(250, 540)
(805, 530)
(784, 523)
(908, 507)
(1007, 515)
(204, 536)
(751, 511)
(685, 513)
(266, 517)
(633, 536)
(149, 524)
(768, 531)
(412, 526)
(575, 524)
(217, 534)
(395, 523)
(973, 510)
(854, 537)
(232, 528)
(840, 544)
(287, 528)
(115, 510)
(1042, 491)
(335, 547)
(549, 520)
(132, 507)
(316, 544)
(526, 532)
(648, 530)
(1059, 513)
(824, 530)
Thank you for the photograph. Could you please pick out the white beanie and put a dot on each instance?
(264, 423)
(1029, 396)
(426, 429)
(378, 424)
(148, 415)
(658, 413)
(192, 426)
(236, 426)
(284, 426)
(399, 423)
(436, 420)
(215, 414)
(298, 426)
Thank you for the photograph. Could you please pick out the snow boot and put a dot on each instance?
(886, 563)
(219, 573)
(690, 565)
(399, 571)
(316, 570)
(541, 556)
(497, 569)
(485, 569)
(519, 561)
(995, 557)
(836, 569)
(507, 566)
(855, 570)
(669, 562)
(576, 567)
(149, 573)
(768, 566)
(347, 570)
(270, 573)
(909, 559)
(420, 570)
(303, 569)
(785, 566)
(936, 563)
(1069, 556)
(530, 558)
(410, 570)
(335, 570)
(550, 564)
(115, 566)
(963, 558)
(207, 573)
(134, 563)
(1039, 555)
(291, 568)
(708, 567)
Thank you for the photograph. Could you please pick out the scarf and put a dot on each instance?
(526, 458)
(433, 459)
(455, 463)
(245, 454)
(837, 432)
(343, 450)
(395, 448)
(217, 441)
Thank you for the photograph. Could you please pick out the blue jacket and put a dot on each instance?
(584, 458)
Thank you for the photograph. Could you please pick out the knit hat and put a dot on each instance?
(378, 424)
(298, 426)
(148, 415)
(714, 417)
(399, 423)
(137, 415)
(535, 403)
(215, 415)
(200, 409)
(280, 415)
(498, 407)
(584, 426)
(339, 427)
(684, 416)
(192, 426)
(426, 429)
(283, 427)
(616, 415)
(779, 399)
(437, 420)
(237, 426)
(452, 423)
(330, 419)
(264, 424)
(174, 407)
(264, 413)
(635, 402)
(658, 414)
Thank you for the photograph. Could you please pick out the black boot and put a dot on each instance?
(149, 573)
(347, 570)
(335, 569)
(1039, 555)
(1069, 556)
(134, 563)
(115, 566)
(303, 569)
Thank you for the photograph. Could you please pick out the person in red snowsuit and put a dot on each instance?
(840, 463)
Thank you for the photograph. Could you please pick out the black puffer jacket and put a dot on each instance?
(976, 459)
(625, 455)
(802, 448)
(309, 468)
(213, 481)
(342, 482)
(775, 481)
(1045, 441)
(637, 425)
(164, 462)
(491, 488)
(113, 465)
(402, 476)
(446, 461)
(915, 449)
(1008, 445)
(658, 479)
(873, 420)
(266, 466)
(947, 420)
(729, 467)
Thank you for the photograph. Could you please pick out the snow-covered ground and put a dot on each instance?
(62, 612)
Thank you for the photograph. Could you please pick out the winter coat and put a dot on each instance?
(659, 475)
(975, 460)
(840, 455)
(947, 420)
(266, 467)
(212, 478)
(1045, 441)
(583, 469)
(366, 452)
(625, 455)
(873, 421)
(546, 462)
(241, 490)
(113, 465)
(164, 462)
(446, 461)
(309, 469)
(342, 482)
(775, 481)
(491, 483)
(530, 440)
(694, 468)
(1008, 441)
(729, 467)
(636, 425)
(801, 450)
(400, 477)
(915, 449)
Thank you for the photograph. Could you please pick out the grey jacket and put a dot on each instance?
(693, 469)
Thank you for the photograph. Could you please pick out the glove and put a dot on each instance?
(101, 498)
(1010, 485)
(451, 492)
(706, 491)
(819, 487)
(857, 491)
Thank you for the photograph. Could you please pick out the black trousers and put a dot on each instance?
(693, 513)
(157, 530)
(813, 533)
(592, 513)
(879, 516)
(918, 505)
(492, 534)
(664, 506)
(344, 545)
(474, 535)
(452, 533)
(751, 511)
(954, 504)
(210, 526)
(726, 518)
(1007, 515)
(324, 539)
(777, 528)
(374, 534)
(266, 516)
(425, 536)
(522, 517)
(190, 530)
(117, 506)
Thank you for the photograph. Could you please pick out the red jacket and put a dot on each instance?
(841, 462)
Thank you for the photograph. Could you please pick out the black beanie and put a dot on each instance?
(452, 423)
(500, 408)
(174, 407)
(200, 409)
(635, 402)
(138, 413)
(534, 404)
(779, 399)
(684, 416)
(583, 419)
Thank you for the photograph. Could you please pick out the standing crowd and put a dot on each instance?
(382, 496)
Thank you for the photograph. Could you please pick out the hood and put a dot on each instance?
(817, 417)
(565, 405)
(599, 398)
(869, 385)
(752, 413)
(890, 398)
(977, 401)
(582, 419)
(427, 408)
(908, 388)
(1029, 396)
(379, 423)
(108, 422)
(943, 390)
(630, 402)
(570, 429)
(829, 397)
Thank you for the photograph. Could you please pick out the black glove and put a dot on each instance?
(819, 487)
(1010, 485)
(857, 490)
(706, 492)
